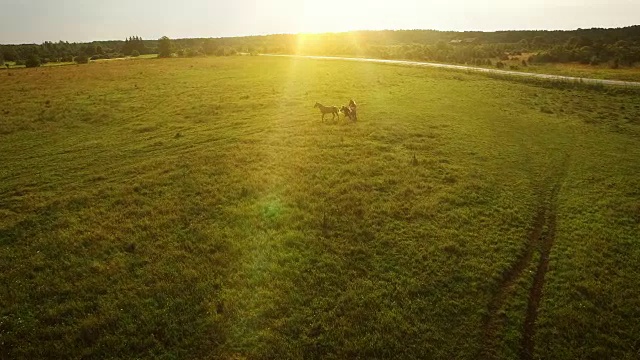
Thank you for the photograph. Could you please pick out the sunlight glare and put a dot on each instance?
(318, 16)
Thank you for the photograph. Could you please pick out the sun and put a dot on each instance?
(321, 16)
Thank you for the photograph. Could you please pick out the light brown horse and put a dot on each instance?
(327, 110)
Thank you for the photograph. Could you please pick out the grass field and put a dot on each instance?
(12, 65)
(200, 208)
(583, 71)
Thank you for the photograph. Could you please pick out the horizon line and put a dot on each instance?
(326, 32)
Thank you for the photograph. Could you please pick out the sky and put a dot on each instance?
(35, 21)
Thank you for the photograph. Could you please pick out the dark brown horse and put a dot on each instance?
(347, 112)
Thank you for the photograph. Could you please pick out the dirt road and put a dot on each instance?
(471, 68)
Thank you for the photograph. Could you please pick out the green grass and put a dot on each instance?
(587, 71)
(200, 208)
(603, 71)
(12, 65)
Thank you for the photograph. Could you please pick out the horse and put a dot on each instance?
(327, 110)
(347, 112)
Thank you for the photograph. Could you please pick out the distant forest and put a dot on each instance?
(616, 47)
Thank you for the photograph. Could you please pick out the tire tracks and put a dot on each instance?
(539, 240)
(535, 295)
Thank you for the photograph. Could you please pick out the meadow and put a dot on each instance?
(603, 71)
(200, 208)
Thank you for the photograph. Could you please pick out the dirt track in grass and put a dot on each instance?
(540, 239)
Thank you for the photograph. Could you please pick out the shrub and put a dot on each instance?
(164, 47)
(81, 59)
(615, 63)
(32, 61)
(193, 53)
(500, 65)
(229, 51)
(135, 53)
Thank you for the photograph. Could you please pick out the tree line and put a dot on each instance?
(63, 51)
(616, 46)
